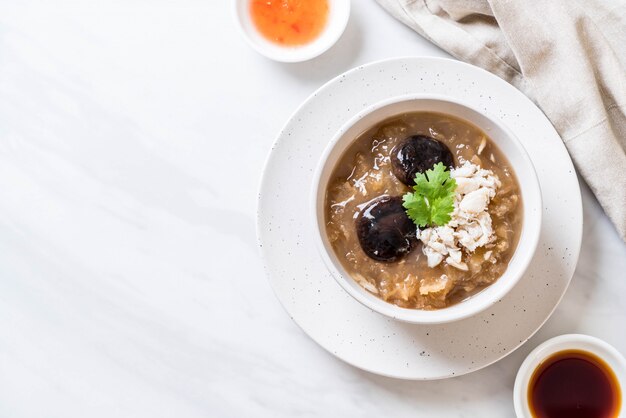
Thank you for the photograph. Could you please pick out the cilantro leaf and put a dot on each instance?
(441, 208)
(416, 208)
(432, 201)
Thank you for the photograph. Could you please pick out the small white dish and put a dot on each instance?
(338, 16)
(506, 142)
(345, 327)
(593, 345)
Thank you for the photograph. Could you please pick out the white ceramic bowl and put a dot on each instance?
(501, 136)
(338, 15)
(565, 342)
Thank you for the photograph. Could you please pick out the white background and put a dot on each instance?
(132, 139)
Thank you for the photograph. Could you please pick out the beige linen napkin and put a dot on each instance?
(569, 56)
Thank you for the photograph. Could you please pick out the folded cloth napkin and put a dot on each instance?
(568, 56)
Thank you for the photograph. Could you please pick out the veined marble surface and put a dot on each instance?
(132, 138)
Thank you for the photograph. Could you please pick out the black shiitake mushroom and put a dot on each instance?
(385, 231)
(417, 154)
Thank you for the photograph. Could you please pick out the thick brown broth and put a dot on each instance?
(364, 173)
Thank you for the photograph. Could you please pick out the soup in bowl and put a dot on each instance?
(425, 209)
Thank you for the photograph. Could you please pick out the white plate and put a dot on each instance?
(342, 325)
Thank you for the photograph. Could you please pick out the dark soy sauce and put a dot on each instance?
(574, 384)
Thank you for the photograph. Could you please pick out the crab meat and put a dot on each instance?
(470, 226)
(465, 185)
(476, 201)
(434, 286)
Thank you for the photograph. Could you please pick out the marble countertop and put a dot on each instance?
(132, 138)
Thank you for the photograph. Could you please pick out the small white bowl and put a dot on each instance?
(338, 15)
(501, 136)
(593, 345)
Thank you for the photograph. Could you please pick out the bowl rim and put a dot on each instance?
(299, 53)
(417, 316)
(564, 342)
